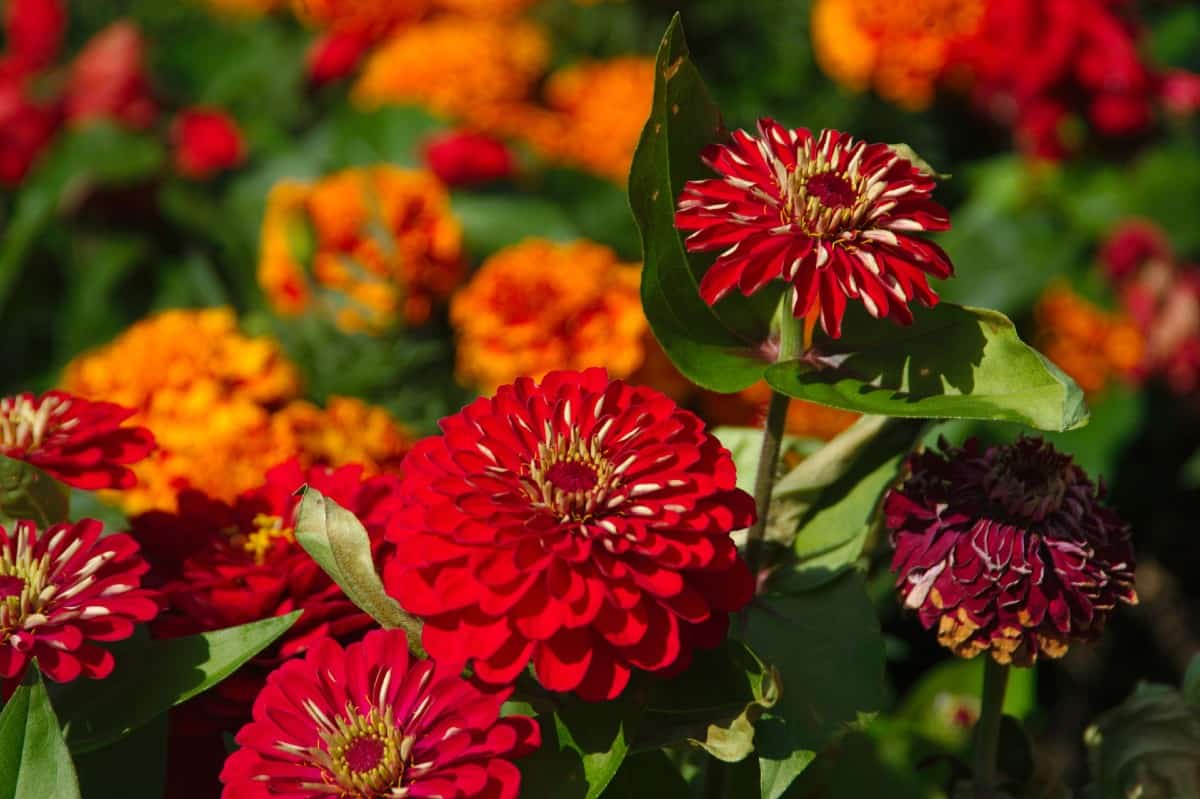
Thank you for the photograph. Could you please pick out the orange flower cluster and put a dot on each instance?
(539, 306)
(485, 8)
(1091, 345)
(456, 65)
(224, 408)
(899, 49)
(367, 247)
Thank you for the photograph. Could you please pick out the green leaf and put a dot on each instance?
(719, 348)
(828, 646)
(953, 362)
(34, 761)
(101, 153)
(338, 542)
(134, 767)
(583, 746)
(493, 221)
(26, 492)
(1191, 682)
(648, 774)
(152, 676)
(745, 446)
(390, 134)
(1148, 747)
(826, 507)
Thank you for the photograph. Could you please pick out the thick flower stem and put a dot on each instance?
(987, 730)
(764, 481)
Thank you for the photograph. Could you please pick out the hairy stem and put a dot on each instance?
(987, 730)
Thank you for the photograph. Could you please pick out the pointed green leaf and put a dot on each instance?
(338, 542)
(719, 348)
(34, 761)
(153, 676)
(26, 492)
(953, 362)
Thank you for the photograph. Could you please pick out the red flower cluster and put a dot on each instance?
(220, 565)
(1162, 296)
(63, 590)
(33, 30)
(580, 523)
(79, 442)
(1033, 63)
(108, 80)
(829, 214)
(335, 56)
(465, 158)
(369, 722)
(1007, 549)
(207, 141)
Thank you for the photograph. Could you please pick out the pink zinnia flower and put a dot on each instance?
(1007, 550)
(368, 721)
(831, 215)
(62, 591)
(580, 524)
(77, 441)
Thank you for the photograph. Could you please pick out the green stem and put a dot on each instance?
(987, 730)
(764, 481)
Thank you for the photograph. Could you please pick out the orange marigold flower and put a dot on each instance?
(455, 65)
(899, 49)
(224, 408)
(485, 8)
(374, 18)
(604, 105)
(322, 247)
(539, 306)
(1093, 346)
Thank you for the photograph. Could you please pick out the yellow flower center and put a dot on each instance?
(267, 530)
(363, 755)
(23, 425)
(571, 477)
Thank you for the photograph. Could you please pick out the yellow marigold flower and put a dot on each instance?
(368, 247)
(224, 408)
(604, 105)
(899, 49)
(1091, 345)
(538, 306)
(366, 17)
(454, 65)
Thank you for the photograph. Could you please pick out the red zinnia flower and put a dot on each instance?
(1007, 549)
(336, 55)
(207, 141)
(1131, 245)
(34, 30)
(221, 565)
(365, 721)
(25, 126)
(464, 158)
(77, 441)
(108, 79)
(61, 591)
(828, 214)
(580, 523)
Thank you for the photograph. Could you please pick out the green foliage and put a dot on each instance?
(1149, 746)
(583, 747)
(26, 492)
(952, 362)
(135, 767)
(34, 761)
(718, 348)
(150, 677)
(339, 543)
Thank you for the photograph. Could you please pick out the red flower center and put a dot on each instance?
(572, 476)
(364, 754)
(831, 190)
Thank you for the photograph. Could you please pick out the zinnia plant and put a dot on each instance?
(368, 721)
(64, 592)
(581, 524)
(831, 215)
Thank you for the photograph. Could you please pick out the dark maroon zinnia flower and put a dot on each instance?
(63, 590)
(829, 214)
(580, 523)
(1007, 549)
(79, 442)
(367, 722)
